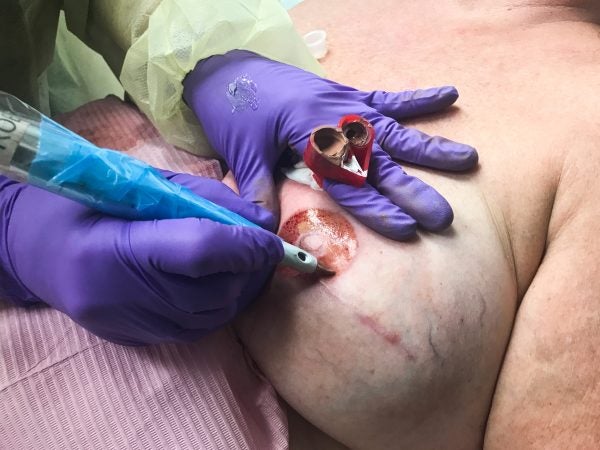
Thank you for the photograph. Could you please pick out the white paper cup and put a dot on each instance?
(316, 43)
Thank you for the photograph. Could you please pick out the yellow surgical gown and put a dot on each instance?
(149, 44)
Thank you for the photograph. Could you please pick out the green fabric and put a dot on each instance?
(77, 74)
(153, 43)
(182, 32)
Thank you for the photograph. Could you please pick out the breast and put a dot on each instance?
(406, 338)
(403, 347)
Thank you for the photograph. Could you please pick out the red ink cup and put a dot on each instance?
(341, 153)
(326, 235)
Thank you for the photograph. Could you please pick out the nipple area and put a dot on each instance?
(327, 235)
(314, 243)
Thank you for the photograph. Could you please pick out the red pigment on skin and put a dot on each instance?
(391, 337)
(325, 234)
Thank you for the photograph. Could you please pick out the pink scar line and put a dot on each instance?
(391, 337)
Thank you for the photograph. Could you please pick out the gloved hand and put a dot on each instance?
(133, 282)
(252, 108)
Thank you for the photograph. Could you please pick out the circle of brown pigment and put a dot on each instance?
(325, 234)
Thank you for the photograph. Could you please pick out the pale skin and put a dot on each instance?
(487, 334)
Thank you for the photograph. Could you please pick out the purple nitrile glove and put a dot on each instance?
(133, 282)
(252, 109)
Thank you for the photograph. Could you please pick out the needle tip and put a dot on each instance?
(324, 271)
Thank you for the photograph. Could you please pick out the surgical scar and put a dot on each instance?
(325, 234)
(389, 336)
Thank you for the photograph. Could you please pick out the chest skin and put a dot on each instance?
(403, 347)
(403, 333)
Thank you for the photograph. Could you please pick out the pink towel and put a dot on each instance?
(61, 387)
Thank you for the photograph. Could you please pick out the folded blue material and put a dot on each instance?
(289, 4)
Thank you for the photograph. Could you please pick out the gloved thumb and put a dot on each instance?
(200, 247)
(256, 185)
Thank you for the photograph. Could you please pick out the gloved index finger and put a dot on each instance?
(199, 247)
(406, 104)
(416, 147)
(420, 200)
(372, 209)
